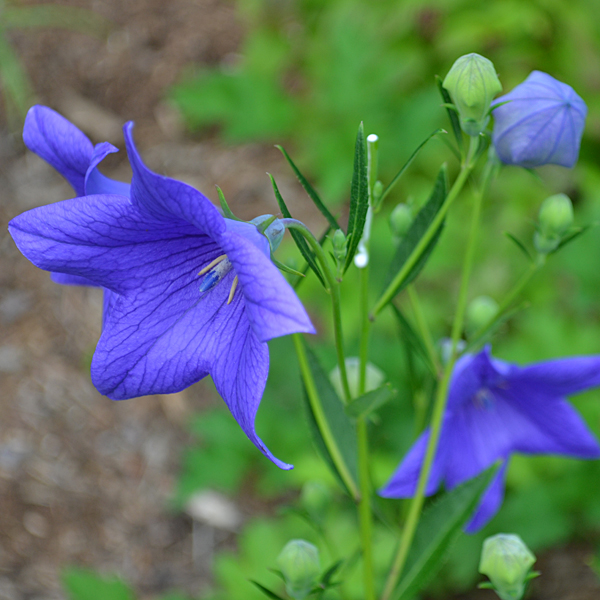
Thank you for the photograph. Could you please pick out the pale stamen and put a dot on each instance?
(212, 264)
(232, 290)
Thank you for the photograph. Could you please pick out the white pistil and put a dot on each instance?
(213, 263)
(232, 290)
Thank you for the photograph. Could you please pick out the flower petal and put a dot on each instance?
(491, 501)
(59, 143)
(164, 197)
(561, 377)
(107, 240)
(65, 279)
(403, 483)
(95, 182)
(272, 305)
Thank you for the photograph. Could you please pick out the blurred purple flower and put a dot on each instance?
(496, 409)
(541, 123)
(168, 327)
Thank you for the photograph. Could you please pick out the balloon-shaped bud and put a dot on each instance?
(375, 377)
(339, 245)
(554, 219)
(507, 561)
(300, 565)
(472, 84)
(480, 312)
(400, 220)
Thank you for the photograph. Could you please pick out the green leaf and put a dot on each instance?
(50, 15)
(283, 267)
(438, 528)
(420, 225)
(364, 405)
(571, 236)
(327, 576)
(407, 164)
(341, 430)
(83, 584)
(227, 212)
(302, 244)
(14, 81)
(452, 114)
(519, 244)
(359, 196)
(310, 191)
(267, 592)
(413, 338)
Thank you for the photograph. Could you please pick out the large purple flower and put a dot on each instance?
(496, 409)
(541, 123)
(169, 326)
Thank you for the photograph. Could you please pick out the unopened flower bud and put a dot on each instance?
(507, 561)
(377, 191)
(481, 310)
(554, 219)
(315, 498)
(339, 245)
(300, 565)
(375, 377)
(472, 84)
(400, 220)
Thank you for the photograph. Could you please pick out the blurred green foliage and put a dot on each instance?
(308, 72)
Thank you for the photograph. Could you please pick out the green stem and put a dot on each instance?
(322, 424)
(423, 328)
(480, 334)
(334, 290)
(416, 254)
(439, 407)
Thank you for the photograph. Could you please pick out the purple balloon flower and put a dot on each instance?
(496, 409)
(541, 123)
(193, 293)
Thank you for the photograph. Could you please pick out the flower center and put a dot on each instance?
(484, 399)
(214, 272)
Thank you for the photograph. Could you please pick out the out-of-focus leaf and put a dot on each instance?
(364, 405)
(519, 244)
(51, 15)
(14, 81)
(266, 591)
(359, 197)
(83, 584)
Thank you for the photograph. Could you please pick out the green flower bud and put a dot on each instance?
(375, 377)
(400, 220)
(377, 191)
(315, 498)
(554, 219)
(472, 84)
(480, 311)
(339, 245)
(507, 561)
(299, 562)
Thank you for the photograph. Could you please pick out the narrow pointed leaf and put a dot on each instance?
(310, 191)
(282, 267)
(53, 15)
(422, 221)
(407, 164)
(519, 244)
(302, 244)
(439, 527)
(339, 450)
(571, 236)
(266, 591)
(412, 338)
(359, 196)
(330, 573)
(14, 81)
(452, 114)
(227, 213)
(364, 405)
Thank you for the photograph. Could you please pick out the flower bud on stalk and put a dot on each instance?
(555, 218)
(507, 561)
(299, 562)
(472, 84)
(480, 312)
(400, 220)
(339, 245)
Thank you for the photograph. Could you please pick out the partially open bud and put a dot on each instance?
(300, 565)
(339, 245)
(554, 219)
(472, 84)
(400, 220)
(507, 561)
(481, 310)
